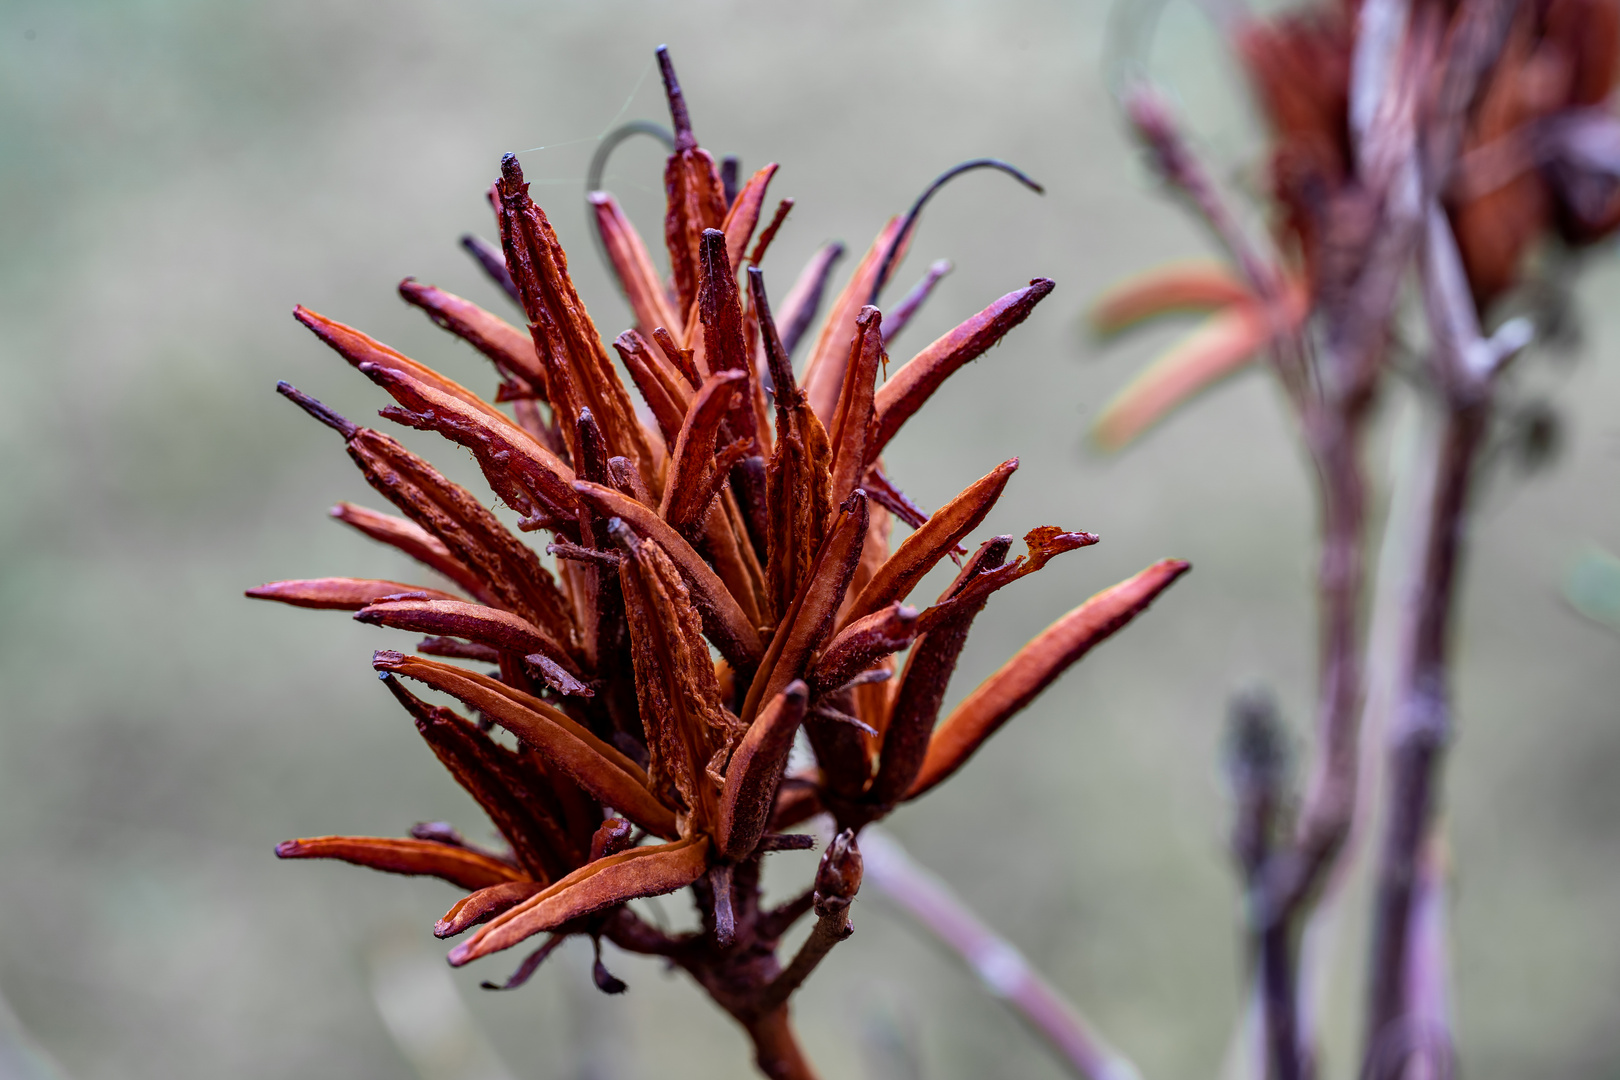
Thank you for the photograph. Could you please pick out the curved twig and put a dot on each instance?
(910, 220)
(599, 160)
(1000, 967)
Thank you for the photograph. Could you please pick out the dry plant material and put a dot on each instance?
(720, 518)
(1446, 144)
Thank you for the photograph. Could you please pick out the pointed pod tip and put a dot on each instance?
(511, 171)
(460, 955)
(331, 418)
(606, 981)
(678, 115)
(289, 849)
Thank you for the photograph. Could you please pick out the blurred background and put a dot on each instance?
(176, 174)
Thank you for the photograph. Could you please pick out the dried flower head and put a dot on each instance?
(739, 509)
(1523, 162)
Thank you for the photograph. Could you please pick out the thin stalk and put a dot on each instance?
(999, 965)
(776, 1047)
(1396, 580)
(829, 930)
(1422, 724)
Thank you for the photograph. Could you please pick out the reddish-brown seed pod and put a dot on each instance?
(743, 217)
(600, 769)
(823, 380)
(861, 644)
(342, 594)
(808, 622)
(475, 622)
(905, 391)
(413, 540)
(693, 193)
(634, 268)
(939, 535)
(484, 905)
(755, 771)
(696, 469)
(457, 865)
(639, 872)
(1034, 668)
(511, 350)
(723, 620)
(851, 427)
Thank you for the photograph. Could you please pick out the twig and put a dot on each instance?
(1000, 967)
(1176, 162)
(1257, 760)
(1423, 720)
(828, 931)
(1428, 971)
(838, 878)
(1397, 579)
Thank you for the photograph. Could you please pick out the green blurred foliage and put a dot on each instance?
(176, 174)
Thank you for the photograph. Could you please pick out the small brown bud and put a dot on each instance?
(839, 876)
(611, 837)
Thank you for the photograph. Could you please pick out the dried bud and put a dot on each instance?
(839, 876)
(605, 980)
(612, 837)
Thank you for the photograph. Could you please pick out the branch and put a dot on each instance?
(775, 922)
(1000, 966)
(627, 930)
(1465, 367)
(1175, 161)
(1257, 762)
(837, 880)
(828, 931)
(1398, 577)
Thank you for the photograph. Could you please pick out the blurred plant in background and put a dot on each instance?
(1431, 165)
(681, 526)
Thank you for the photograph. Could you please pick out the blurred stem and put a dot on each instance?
(776, 1048)
(1463, 367)
(999, 965)
(829, 930)
(1428, 972)
(1422, 721)
(1396, 580)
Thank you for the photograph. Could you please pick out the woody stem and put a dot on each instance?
(829, 930)
(776, 1047)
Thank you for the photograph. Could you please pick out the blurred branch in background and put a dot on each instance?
(423, 1011)
(21, 1058)
(1380, 119)
(1000, 967)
